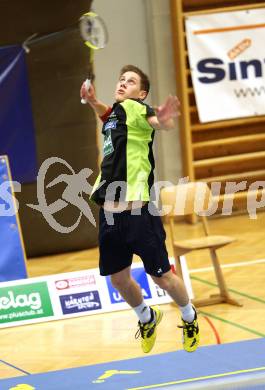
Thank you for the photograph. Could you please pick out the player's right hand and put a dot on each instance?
(88, 94)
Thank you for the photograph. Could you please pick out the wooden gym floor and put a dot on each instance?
(105, 337)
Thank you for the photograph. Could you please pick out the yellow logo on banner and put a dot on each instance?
(22, 387)
(107, 374)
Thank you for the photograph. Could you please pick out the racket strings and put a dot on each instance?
(94, 31)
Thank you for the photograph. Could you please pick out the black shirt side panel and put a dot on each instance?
(114, 164)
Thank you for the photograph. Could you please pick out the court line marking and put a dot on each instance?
(199, 378)
(252, 297)
(231, 265)
(227, 321)
(257, 333)
(15, 367)
(198, 270)
(215, 331)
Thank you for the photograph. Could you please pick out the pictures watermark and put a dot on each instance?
(204, 201)
(76, 186)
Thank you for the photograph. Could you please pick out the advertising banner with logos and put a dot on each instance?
(69, 295)
(227, 65)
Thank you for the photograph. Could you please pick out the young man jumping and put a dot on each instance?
(122, 189)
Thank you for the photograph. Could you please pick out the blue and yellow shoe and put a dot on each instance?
(191, 334)
(148, 331)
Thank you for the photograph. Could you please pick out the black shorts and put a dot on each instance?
(143, 235)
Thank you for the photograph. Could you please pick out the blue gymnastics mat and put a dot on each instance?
(179, 369)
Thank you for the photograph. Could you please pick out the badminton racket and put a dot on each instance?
(91, 27)
(94, 32)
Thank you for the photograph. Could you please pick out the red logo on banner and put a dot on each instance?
(77, 282)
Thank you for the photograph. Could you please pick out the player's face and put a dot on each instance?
(129, 86)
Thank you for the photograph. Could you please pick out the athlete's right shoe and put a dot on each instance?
(191, 334)
(148, 330)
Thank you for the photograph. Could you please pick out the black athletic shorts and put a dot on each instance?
(142, 234)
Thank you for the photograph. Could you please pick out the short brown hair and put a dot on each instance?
(145, 83)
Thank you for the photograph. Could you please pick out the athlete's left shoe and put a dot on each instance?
(191, 334)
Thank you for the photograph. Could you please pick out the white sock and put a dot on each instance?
(187, 312)
(143, 312)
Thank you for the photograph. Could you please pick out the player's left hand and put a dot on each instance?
(169, 110)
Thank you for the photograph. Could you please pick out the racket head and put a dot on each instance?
(93, 30)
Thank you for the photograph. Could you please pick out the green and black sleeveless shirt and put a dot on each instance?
(127, 169)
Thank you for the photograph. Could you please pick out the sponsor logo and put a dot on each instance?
(140, 276)
(159, 271)
(160, 292)
(239, 48)
(110, 125)
(216, 70)
(107, 146)
(81, 281)
(76, 303)
(109, 373)
(22, 386)
(25, 302)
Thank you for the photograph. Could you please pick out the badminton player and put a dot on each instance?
(122, 190)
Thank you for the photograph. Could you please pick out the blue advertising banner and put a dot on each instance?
(17, 139)
(141, 278)
(83, 301)
(12, 256)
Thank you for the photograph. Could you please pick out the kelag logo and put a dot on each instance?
(25, 302)
(76, 303)
(140, 277)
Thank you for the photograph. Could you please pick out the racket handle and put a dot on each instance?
(87, 85)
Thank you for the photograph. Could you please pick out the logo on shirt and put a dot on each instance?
(111, 125)
(108, 145)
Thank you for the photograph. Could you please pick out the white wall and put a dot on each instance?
(140, 34)
(125, 20)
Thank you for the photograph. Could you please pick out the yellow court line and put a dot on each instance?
(198, 378)
(226, 29)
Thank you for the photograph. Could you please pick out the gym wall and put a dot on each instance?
(64, 128)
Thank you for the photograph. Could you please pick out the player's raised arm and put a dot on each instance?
(89, 95)
(166, 114)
